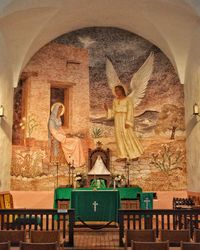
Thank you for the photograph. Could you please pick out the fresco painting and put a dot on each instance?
(72, 70)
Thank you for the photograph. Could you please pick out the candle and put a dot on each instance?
(114, 184)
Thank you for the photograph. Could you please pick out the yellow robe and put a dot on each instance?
(128, 145)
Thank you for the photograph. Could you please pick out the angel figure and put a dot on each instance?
(71, 146)
(128, 145)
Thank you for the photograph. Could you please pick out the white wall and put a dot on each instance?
(6, 99)
(192, 95)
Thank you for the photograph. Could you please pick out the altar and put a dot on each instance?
(101, 205)
(125, 193)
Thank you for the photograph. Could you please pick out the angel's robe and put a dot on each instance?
(128, 145)
(71, 147)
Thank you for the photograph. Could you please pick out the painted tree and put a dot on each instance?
(170, 118)
(170, 163)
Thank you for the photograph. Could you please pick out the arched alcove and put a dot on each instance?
(77, 61)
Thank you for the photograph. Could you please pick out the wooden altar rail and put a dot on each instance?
(39, 219)
(158, 219)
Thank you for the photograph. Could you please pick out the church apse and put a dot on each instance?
(72, 70)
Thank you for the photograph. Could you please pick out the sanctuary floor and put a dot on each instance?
(106, 239)
(103, 240)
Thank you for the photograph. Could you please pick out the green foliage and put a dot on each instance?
(97, 132)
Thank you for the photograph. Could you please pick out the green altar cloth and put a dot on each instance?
(129, 193)
(100, 205)
(146, 201)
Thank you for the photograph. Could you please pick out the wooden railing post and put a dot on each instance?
(71, 227)
(121, 228)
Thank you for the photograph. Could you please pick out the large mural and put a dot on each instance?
(78, 70)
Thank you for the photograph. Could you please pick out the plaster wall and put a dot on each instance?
(192, 96)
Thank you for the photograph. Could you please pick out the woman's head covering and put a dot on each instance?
(54, 111)
(55, 107)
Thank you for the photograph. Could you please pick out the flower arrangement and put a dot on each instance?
(79, 179)
(118, 180)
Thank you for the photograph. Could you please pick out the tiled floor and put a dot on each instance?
(101, 239)
(106, 239)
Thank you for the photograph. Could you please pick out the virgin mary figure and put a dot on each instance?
(71, 146)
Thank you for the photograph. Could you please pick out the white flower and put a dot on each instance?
(78, 178)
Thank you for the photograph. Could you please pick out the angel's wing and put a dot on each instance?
(111, 74)
(140, 80)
